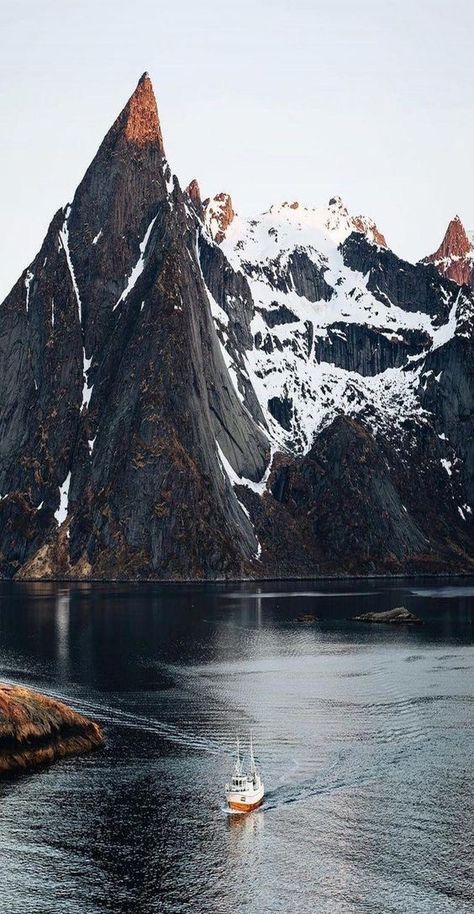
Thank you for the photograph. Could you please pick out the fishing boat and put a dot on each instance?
(245, 791)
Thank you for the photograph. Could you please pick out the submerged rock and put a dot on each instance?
(35, 730)
(398, 616)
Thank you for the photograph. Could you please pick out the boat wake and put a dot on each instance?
(118, 717)
(351, 767)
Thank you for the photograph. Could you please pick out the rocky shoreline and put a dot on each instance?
(398, 616)
(36, 730)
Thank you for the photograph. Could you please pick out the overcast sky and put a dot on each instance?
(270, 100)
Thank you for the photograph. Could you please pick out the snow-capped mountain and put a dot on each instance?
(186, 393)
(324, 341)
(326, 322)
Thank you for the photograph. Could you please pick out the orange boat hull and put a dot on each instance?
(244, 807)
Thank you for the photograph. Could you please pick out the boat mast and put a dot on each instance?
(238, 766)
(252, 760)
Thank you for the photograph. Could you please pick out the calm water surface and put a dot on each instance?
(363, 734)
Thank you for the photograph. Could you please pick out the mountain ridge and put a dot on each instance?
(182, 390)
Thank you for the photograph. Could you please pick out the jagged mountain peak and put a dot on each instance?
(455, 255)
(455, 242)
(193, 191)
(141, 120)
(336, 202)
(219, 214)
(340, 217)
(369, 228)
(288, 226)
(333, 220)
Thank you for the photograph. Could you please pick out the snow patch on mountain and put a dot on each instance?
(28, 278)
(64, 243)
(86, 389)
(236, 480)
(286, 370)
(137, 270)
(61, 512)
(219, 214)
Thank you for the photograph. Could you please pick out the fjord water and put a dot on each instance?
(362, 731)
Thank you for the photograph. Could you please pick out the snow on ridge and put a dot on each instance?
(446, 332)
(28, 278)
(64, 241)
(137, 270)
(286, 226)
(219, 214)
(312, 393)
(61, 512)
(319, 392)
(86, 390)
(447, 465)
(236, 480)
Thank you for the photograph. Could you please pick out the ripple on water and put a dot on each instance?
(363, 738)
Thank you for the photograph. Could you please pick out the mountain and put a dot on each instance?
(186, 393)
(115, 398)
(455, 255)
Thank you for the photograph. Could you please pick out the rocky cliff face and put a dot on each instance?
(185, 393)
(455, 255)
(116, 403)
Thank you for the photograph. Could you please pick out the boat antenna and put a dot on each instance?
(238, 766)
(252, 760)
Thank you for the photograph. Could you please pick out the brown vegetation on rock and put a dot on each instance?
(35, 730)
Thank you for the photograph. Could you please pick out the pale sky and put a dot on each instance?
(269, 100)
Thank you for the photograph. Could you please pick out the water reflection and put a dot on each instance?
(62, 631)
(362, 735)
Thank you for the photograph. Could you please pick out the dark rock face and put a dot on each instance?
(194, 193)
(231, 292)
(367, 350)
(413, 287)
(296, 272)
(279, 315)
(150, 367)
(281, 409)
(116, 286)
(307, 278)
(346, 466)
(343, 508)
(448, 392)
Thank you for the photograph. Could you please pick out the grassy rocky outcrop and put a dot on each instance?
(36, 730)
